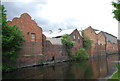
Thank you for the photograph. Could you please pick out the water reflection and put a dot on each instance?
(94, 68)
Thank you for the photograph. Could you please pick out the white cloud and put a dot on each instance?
(71, 13)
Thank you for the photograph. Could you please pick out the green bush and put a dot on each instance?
(66, 40)
(81, 54)
(12, 39)
(87, 42)
(42, 61)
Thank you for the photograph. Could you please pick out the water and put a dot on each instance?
(95, 68)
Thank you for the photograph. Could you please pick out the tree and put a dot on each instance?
(12, 39)
(66, 40)
(87, 42)
(116, 11)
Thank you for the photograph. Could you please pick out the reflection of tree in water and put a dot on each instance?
(88, 72)
(69, 74)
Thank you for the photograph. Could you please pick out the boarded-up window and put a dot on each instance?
(33, 37)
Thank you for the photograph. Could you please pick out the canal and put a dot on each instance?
(95, 68)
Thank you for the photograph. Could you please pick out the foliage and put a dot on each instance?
(42, 61)
(81, 54)
(116, 11)
(87, 43)
(4, 20)
(12, 39)
(66, 40)
(116, 75)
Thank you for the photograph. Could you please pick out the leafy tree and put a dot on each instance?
(116, 11)
(87, 42)
(12, 39)
(81, 54)
(66, 40)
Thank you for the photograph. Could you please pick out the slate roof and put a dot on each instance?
(110, 38)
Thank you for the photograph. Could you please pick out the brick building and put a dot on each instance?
(90, 33)
(31, 53)
(111, 43)
(48, 46)
(53, 49)
(102, 42)
(77, 37)
(58, 47)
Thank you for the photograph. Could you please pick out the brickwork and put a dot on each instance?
(77, 38)
(52, 51)
(111, 48)
(58, 52)
(101, 43)
(90, 33)
(37, 47)
(47, 49)
(33, 40)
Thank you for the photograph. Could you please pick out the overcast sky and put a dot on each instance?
(66, 14)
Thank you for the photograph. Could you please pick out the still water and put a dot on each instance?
(94, 68)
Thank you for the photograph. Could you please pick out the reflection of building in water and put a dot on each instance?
(111, 64)
(103, 66)
(99, 67)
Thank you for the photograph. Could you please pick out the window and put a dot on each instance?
(33, 37)
(98, 42)
(74, 37)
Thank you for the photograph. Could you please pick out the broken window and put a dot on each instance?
(33, 37)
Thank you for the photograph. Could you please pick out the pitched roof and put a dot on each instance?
(110, 38)
(55, 41)
(58, 33)
(96, 31)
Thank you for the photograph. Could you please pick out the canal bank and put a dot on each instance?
(93, 68)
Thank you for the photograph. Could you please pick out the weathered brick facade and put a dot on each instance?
(58, 50)
(32, 47)
(111, 43)
(90, 33)
(101, 43)
(77, 38)
(52, 51)
(38, 47)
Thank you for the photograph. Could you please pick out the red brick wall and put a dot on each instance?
(50, 50)
(111, 48)
(89, 32)
(30, 48)
(59, 51)
(47, 49)
(101, 43)
(77, 38)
